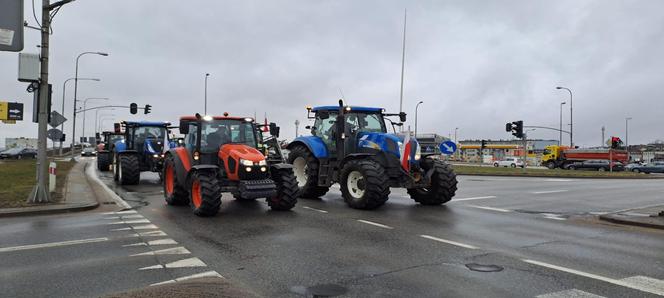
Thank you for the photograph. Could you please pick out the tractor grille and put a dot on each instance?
(253, 189)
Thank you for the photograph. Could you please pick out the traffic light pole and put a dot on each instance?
(525, 152)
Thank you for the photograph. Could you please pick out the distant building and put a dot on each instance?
(21, 143)
(499, 149)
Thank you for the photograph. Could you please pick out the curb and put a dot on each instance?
(612, 218)
(54, 210)
(93, 178)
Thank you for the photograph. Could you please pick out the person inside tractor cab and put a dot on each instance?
(218, 137)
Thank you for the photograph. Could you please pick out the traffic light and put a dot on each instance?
(516, 128)
(133, 108)
(117, 127)
(483, 144)
(147, 109)
(62, 138)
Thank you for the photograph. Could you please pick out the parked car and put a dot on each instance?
(631, 166)
(596, 165)
(89, 151)
(509, 162)
(18, 153)
(653, 167)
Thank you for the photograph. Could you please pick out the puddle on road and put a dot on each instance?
(484, 268)
(322, 290)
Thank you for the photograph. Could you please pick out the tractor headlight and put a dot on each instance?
(246, 163)
(418, 153)
(248, 169)
(400, 146)
(155, 156)
(262, 163)
(263, 169)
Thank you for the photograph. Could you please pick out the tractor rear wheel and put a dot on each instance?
(174, 192)
(287, 189)
(103, 161)
(305, 168)
(205, 194)
(129, 172)
(364, 184)
(443, 185)
(115, 165)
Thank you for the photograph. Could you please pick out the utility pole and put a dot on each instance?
(603, 140)
(560, 138)
(525, 151)
(403, 62)
(297, 127)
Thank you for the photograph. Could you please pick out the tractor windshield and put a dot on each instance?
(365, 122)
(215, 133)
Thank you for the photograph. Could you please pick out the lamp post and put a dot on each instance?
(297, 127)
(101, 121)
(62, 111)
(206, 78)
(97, 117)
(73, 134)
(571, 119)
(417, 106)
(455, 141)
(627, 135)
(85, 103)
(560, 138)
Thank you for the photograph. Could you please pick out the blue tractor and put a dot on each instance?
(141, 150)
(350, 145)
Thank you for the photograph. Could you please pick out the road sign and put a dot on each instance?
(11, 111)
(11, 25)
(448, 147)
(56, 119)
(54, 134)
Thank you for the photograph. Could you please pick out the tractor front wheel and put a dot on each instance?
(364, 184)
(443, 185)
(174, 193)
(129, 172)
(305, 167)
(205, 194)
(103, 161)
(287, 189)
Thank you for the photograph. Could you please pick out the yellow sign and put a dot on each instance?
(4, 107)
(9, 121)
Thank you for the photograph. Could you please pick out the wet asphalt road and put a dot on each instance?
(501, 237)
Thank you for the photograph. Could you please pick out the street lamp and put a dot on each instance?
(417, 106)
(97, 118)
(571, 122)
(560, 138)
(73, 134)
(627, 134)
(64, 89)
(455, 141)
(85, 103)
(206, 78)
(101, 121)
(103, 116)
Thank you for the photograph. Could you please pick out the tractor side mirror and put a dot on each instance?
(308, 127)
(323, 114)
(402, 117)
(274, 129)
(184, 127)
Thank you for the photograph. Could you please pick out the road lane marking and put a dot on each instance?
(120, 212)
(169, 251)
(130, 222)
(133, 216)
(145, 227)
(166, 241)
(553, 216)
(569, 293)
(489, 208)
(646, 282)
(636, 284)
(120, 229)
(198, 275)
(375, 224)
(549, 191)
(474, 198)
(52, 244)
(148, 234)
(314, 209)
(449, 242)
(558, 180)
(186, 263)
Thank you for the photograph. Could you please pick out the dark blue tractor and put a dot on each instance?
(141, 150)
(350, 145)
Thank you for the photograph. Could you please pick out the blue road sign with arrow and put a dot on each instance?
(448, 147)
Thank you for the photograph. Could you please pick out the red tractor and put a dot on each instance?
(227, 154)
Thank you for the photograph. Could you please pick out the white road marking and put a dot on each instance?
(636, 282)
(145, 227)
(314, 209)
(162, 242)
(375, 224)
(120, 229)
(130, 222)
(474, 198)
(489, 208)
(449, 242)
(558, 180)
(553, 216)
(198, 275)
(148, 234)
(569, 293)
(655, 285)
(169, 251)
(52, 244)
(132, 216)
(549, 191)
(112, 217)
(186, 263)
(120, 212)
(135, 244)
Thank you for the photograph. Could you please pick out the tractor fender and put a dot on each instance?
(120, 146)
(127, 152)
(182, 163)
(280, 166)
(313, 143)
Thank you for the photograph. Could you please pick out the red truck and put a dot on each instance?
(560, 156)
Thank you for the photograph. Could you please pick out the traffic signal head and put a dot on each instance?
(516, 128)
(147, 109)
(133, 108)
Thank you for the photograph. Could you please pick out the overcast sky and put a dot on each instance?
(475, 64)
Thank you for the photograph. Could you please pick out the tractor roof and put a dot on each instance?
(352, 108)
(193, 118)
(147, 123)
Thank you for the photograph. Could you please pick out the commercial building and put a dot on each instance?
(20, 143)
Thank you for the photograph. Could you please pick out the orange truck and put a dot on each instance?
(561, 156)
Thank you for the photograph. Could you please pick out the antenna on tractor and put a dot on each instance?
(342, 94)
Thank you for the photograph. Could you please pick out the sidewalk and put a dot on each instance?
(80, 194)
(650, 217)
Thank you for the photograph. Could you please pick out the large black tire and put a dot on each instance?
(287, 190)
(103, 161)
(129, 171)
(175, 193)
(443, 185)
(205, 193)
(308, 181)
(550, 165)
(370, 188)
